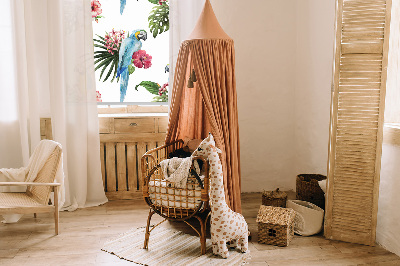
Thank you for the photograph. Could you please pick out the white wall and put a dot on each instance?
(264, 33)
(284, 52)
(388, 226)
(314, 60)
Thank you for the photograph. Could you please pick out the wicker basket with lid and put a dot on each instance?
(274, 198)
(275, 225)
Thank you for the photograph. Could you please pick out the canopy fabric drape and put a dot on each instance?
(210, 106)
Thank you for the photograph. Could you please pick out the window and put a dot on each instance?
(392, 108)
(148, 68)
(391, 130)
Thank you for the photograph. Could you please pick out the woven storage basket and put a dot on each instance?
(308, 189)
(274, 198)
(275, 225)
(309, 217)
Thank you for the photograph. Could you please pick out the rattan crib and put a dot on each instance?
(170, 202)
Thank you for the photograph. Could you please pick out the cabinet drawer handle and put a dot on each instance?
(133, 124)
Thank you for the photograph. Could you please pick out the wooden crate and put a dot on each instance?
(123, 141)
(46, 129)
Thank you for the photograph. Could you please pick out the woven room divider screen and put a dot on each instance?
(358, 97)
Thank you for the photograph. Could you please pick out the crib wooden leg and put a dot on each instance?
(203, 231)
(147, 235)
(203, 236)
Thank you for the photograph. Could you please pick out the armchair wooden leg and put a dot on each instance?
(147, 235)
(56, 212)
(34, 215)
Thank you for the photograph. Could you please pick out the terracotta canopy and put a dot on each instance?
(204, 98)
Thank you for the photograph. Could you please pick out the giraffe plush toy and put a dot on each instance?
(226, 225)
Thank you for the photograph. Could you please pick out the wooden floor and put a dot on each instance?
(82, 233)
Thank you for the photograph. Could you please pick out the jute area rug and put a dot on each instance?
(168, 247)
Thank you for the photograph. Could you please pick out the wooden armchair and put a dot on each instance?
(36, 197)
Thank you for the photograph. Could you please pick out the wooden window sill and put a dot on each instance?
(391, 133)
(132, 110)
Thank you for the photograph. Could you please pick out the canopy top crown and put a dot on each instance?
(207, 26)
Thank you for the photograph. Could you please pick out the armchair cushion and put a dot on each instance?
(17, 199)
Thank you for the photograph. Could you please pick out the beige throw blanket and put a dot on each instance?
(176, 170)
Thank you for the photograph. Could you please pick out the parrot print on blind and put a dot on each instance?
(128, 47)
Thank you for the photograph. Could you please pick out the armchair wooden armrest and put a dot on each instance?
(29, 184)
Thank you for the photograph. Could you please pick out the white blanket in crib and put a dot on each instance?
(176, 170)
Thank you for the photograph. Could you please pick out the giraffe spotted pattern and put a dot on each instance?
(226, 225)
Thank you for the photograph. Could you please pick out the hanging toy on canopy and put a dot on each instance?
(192, 79)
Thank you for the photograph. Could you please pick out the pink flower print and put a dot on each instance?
(160, 2)
(98, 96)
(163, 89)
(141, 59)
(96, 9)
(113, 40)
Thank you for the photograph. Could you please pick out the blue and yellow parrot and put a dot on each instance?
(128, 47)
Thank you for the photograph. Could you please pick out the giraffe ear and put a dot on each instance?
(216, 149)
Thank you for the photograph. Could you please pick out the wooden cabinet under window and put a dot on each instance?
(123, 141)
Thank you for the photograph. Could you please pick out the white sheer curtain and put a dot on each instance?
(54, 76)
(10, 147)
(183, 15)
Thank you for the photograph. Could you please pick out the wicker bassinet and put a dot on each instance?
(170, 202)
